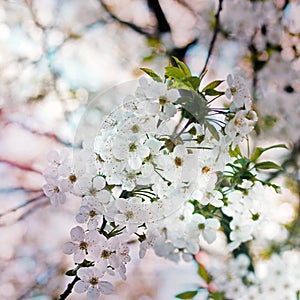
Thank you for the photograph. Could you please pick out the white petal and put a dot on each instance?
(69, 248)
(106, 287)
(53, 156)
(79, 256)
(228, 93)
(81, 286)
(173, 95)
(134, 162)
(212, 223)
(170, 109)
(82, 217)
(99, 183)
(92, 223)
(85, 274)
(93, 252)
(93, 293)
(229, 79)
(93, 237)
(143, 151)
(209, 235)
(77, 234)
(104, 196)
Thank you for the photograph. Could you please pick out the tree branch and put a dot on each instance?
(128, 24)
(215, 35)
(45, 134)
(69, 289)
(19, 166)
(163, 25)
(27, 202)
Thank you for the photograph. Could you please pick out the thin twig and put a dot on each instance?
(28, 212)
(69, 289)
(49, 135)
(215, 35)
(16, 208)
(18, 189)
(123, 22)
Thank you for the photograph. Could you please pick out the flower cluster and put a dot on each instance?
(154, 171)
(276, 277)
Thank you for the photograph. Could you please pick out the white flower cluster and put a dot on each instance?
(151, 173)
(274, 278)
(245, 208)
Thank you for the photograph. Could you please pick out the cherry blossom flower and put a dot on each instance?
(240, 93)
(90, 282)
(86, 244)
(56, 190)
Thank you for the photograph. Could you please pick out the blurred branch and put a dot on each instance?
(29, 201)
(163, 25)
(188, 7)
(17, 189)
(33, 15)
(215, 35)
(29, 211)
(128, 24)
(51, 270)
(181, 52)
(19, 166)
(286, 3)
(45, 134)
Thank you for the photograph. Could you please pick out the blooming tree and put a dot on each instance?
(188, 165)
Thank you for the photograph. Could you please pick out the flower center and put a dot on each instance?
(106, 254)
(92, 214)
(233, 90)
(205, 170)
(132, 147)
(94, 281)
(83, 245)
(162, 100)
(178, 161)
(72, 178)
(56, 189)
(129, 214)
(135, 128)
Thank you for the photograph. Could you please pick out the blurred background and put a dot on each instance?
(57, 55)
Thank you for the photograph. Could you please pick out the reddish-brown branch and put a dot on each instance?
(20, 166)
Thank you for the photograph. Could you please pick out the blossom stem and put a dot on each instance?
(69, 289)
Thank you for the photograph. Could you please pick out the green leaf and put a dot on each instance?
(71, 273)
(236, 152)
(267, 165)
(242, 161)
(152, 74)
(259, 151)
(211, 92)
(194, 82)
(203, 273)
(217, 295)
(174, 73)
(212, 85)
(181, 65)
(212, 129)
(187, 295)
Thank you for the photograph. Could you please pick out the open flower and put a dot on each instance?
(86, 244)
(90, 282)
